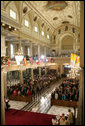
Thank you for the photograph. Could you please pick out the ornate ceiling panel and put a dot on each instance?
(50, 13)
(63, 10)
(26, 9)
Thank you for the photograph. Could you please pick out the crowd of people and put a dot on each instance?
(68, 90)
(64, 119)
(33, 87)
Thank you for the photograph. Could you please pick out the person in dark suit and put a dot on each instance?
(7, 104)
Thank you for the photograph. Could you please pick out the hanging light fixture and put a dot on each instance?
(19, 55)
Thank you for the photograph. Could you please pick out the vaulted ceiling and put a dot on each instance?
(58, 12)
(51, 13)
(54, 13)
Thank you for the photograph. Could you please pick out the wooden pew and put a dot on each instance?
(64, 103)
(20, 98)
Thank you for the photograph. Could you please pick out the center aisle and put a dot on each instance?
(41, 104)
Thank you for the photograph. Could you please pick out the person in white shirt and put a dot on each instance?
(54, 121)
(56, 95)
(70, 116)
(62, 121)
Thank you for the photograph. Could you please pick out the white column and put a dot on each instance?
(39, 71)
(2, 100)
(3, 47)
(32, 74)
(31, 54)
(8, 49)
(5, 84)
(21, 77)
(80, 115)
(61, 69)
(82, 34)
(45, 51)
(80, 118)
(39, 51)
(74, 45)
(45, 70)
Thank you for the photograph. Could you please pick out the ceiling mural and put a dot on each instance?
(56, 5)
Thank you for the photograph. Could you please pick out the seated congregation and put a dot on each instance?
(68, 90)
(32, 87)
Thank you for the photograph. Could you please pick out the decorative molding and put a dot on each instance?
(10, 21)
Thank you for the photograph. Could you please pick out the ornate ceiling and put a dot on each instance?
(53, 12)
(56, 12)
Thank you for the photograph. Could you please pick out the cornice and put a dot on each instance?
(10, 21)
(30, 39)
(35, 40)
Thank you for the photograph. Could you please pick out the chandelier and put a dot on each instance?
(19, 54)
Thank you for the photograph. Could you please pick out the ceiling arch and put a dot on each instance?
(66, 34)
(63, 32)
(67, 42)
(63, 35)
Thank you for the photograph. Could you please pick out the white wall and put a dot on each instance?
(3, 47)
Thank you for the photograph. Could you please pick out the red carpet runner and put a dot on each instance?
(18, 117)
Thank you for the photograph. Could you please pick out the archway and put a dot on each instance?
(67, 43)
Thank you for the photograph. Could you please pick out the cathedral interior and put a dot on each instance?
(42, 62)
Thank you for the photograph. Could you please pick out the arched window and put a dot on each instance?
(59, 31)
(28, 51)
(66, 28)
(12, 50)
(26, 23)
(35, 29)
(54, 37)
(42, 33)
(73, 30)
(48, 36)
(22, 49)
(12, 14)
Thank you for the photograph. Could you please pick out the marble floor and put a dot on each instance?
(42, 103)
(17, 104)
(58, 110)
